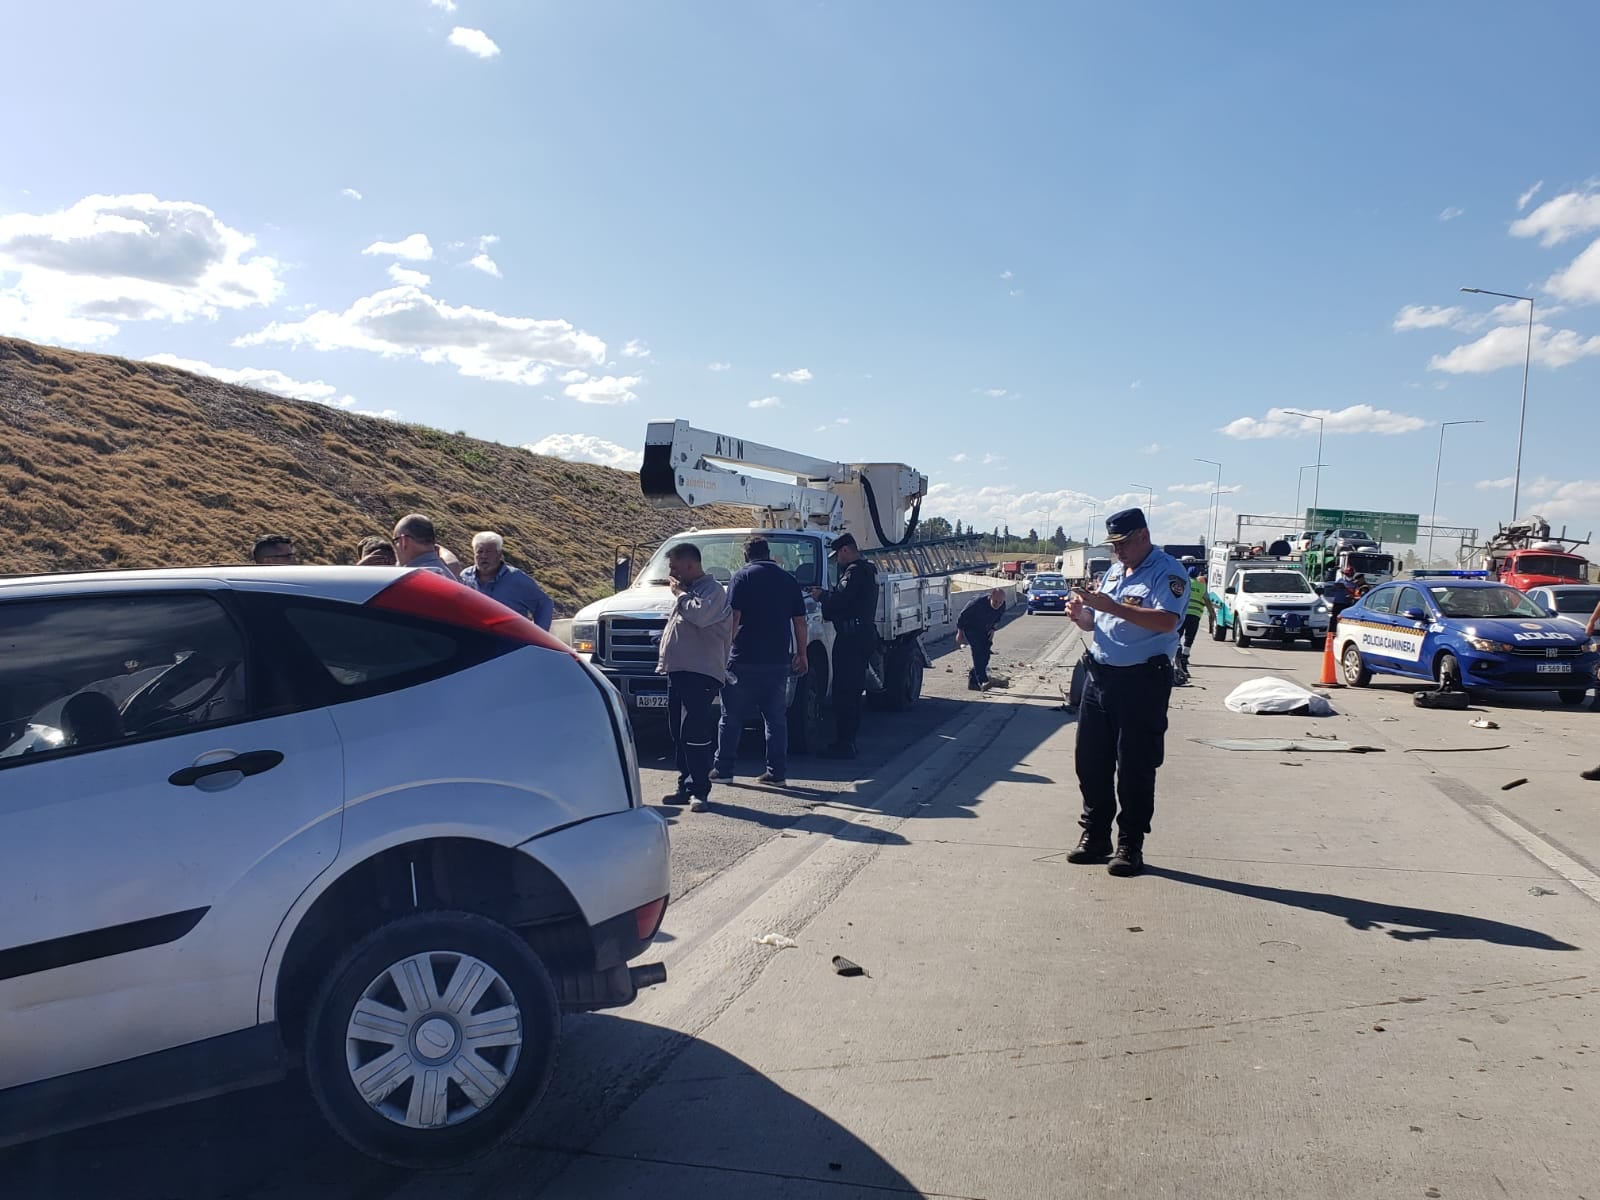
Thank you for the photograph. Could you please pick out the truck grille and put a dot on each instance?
(631, 641)
(1303, 609)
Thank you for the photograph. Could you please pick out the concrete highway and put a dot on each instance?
(1344, 976)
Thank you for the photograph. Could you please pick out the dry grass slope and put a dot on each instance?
(110, 463)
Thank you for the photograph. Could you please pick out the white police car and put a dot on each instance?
(1048, 593)
(1464, 631)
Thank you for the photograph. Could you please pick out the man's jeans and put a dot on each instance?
(982, 651)
(689, 699)
(758, 690)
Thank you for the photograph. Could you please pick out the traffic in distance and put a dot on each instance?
(270, 872)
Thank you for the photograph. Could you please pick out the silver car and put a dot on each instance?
(360, 819)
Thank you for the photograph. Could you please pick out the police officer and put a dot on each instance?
(1135, 617)
(852, 606)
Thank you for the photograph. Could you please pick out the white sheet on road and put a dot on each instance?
(1273, 695)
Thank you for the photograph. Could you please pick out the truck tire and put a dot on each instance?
(810, 696)
(476, 1026)
(1219, 631)
(902, 685)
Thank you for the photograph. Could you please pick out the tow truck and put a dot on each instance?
(1525, 555)
(800, 513)
(1324, 563)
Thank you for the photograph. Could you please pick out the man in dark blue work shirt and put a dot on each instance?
(769, 644)
(492, 575)
(1136, 615)
(976, 627)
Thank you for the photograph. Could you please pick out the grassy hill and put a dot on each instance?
(106, 462)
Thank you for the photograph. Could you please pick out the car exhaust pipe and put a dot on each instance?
(611, 988)
(648, 975)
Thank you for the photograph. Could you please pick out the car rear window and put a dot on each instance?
(359, 649)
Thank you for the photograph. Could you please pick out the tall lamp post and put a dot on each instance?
(1316, 486)
(1433, 509)
(1299, 481)
(1211, 522)
(1149, 492)
(1088, 529)
(1527, 362)
(1216, 499)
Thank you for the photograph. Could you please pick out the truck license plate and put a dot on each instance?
(1551, 668)
(649, 701)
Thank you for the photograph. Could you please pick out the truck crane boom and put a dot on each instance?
(685, 467)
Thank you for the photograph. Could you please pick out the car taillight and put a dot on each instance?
(435, 598)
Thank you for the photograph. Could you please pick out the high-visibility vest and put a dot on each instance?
(1197, 597)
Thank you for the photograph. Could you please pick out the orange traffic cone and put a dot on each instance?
(1330, 677)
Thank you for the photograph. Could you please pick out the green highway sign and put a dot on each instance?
(1386, 527)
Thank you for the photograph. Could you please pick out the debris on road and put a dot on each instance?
(1442, 699)
(1515, 783)
(1270, 695)
(1540, 891)
(1289, 745)
(1593, 773)
(843, 966)
(1452, 749)
(777, 941)
(1483, 723)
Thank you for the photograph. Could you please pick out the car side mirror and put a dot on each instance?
(1554, 612)
(1414, 614)
(1229, 591)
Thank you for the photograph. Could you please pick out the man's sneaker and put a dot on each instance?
(1091, 848)
(769, 777)
(839, 750)
(986, 685)
(1128, 860)
(699, 804)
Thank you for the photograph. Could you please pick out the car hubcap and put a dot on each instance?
(434, 1039)
(1352, 664)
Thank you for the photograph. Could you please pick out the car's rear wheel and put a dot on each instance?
(432, 1038)
(1355, 671)
(1572, 696)
(1218, 632)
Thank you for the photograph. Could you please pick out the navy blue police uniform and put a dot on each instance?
(851, 606)
(1122, 722)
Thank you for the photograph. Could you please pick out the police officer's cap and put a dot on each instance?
(843, 540)
(1124, 524)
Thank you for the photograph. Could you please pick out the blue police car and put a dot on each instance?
(1464, 631)
(1048, 593)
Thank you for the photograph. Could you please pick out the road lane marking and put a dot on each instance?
(1564, 865)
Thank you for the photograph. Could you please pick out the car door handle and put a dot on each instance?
(252, 763)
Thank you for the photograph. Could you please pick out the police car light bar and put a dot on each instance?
(1423, 573)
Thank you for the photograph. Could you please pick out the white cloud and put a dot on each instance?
(991, 505)
(841, 420)
(719, 366)
(1357, 418)
(406, 322)
(1579, 280)
(473, 41)
(1005, 274)
(406, 275)
(607, 389)
(991, 458)
(484, 263)
(1203, 488)
(1450, 214)
(1136, 385)
(766, 402)
(634, 348)
(798, 375)
(414, 248)
(1486, 484)
(1559, 217)
(266, 379)
(1425, 316)
(1577, 500)
(81, 271)
(574, 376)
(350, 193)
(1014, 292)
(448, 6)
(1152, 448)
(1522, 200)
(959, 458)
(994, 393)
(1507, 346)
(587, 448)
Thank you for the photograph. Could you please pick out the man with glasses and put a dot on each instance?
(414, 546)
(273, 550)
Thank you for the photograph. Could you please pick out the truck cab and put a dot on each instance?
(1537, 567)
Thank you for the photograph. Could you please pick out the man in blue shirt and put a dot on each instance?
(492, 575)
(1136, 615)
(769, 644)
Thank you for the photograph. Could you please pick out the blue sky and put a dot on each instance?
(1043, 252)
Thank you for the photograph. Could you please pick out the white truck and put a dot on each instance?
(1083, 564)
(877, 503)
(1262, 597)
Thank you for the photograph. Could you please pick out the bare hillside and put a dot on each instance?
(105, 462)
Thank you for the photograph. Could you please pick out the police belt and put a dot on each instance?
(1102, 672)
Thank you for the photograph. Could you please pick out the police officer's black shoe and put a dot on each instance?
(1091, 848)
(1129, 858)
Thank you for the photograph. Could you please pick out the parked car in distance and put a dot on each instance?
(1047, 593)
(1572, 602)
(366, 820)
(1349, 539)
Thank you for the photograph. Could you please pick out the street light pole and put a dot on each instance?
(1433, 509)
(1088, 528)
(1316, 487)
(1150, 492)
(1527, 362)
(1211, 517)
(1299, 481)
(1215, 499)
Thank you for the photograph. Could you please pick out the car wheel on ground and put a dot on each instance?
(1240, 636)
(1448, 673)
(806, 713)
(1355, 671)
(432, 1038)
(1219, 633)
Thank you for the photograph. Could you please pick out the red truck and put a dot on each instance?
(1525, 555)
